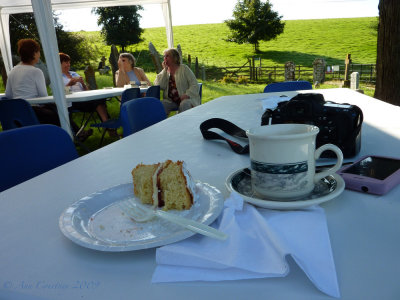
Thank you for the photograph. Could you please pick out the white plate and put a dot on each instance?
(326, 189)
(97, 221)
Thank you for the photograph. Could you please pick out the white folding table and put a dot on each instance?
(38, 262)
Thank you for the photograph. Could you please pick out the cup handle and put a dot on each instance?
(336, 167)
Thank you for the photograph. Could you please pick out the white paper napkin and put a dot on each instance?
(259, 240)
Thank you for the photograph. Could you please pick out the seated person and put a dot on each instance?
(181, 90)
(76, 84)
(102, 63)
(127, 71)
(25, 81)
(102, 68)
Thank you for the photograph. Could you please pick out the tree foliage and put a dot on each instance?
(120, 24)
(254, 21)
(23, 26)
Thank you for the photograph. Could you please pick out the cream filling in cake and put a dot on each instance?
(156, 190)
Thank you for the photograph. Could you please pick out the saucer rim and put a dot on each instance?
(286, 205)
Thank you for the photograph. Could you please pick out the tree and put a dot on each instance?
(388, 60)
(254, 21)
(23, 26)
(120, 24)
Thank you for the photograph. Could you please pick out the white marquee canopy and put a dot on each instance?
(43, 12)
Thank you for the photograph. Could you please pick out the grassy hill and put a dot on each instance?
(301, 42)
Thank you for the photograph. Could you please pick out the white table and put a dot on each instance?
(38, 262)
(84, 95)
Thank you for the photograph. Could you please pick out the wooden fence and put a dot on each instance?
(253, 73)
(367, 72)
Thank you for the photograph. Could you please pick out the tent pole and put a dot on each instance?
(5, 45)
(44, 20)
(166, 7)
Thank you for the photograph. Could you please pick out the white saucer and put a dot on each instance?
(326, 189)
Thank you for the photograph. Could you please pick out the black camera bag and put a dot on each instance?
(339, 124)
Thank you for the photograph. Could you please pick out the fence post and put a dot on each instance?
(253, 69)
(189, 61)
(346, 82)
(196, 67)
(250, 70)
(370, 74)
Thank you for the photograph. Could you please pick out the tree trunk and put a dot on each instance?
(256, 47)
(388, 52)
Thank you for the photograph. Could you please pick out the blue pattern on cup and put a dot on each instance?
(291, 168)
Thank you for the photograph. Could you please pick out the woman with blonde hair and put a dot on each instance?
(180, 86)
(127, 71)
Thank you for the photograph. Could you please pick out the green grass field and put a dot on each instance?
(301, 42)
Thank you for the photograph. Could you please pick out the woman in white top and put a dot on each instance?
(181, 90)
(26, 81)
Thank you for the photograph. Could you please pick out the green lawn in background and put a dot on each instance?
(301, 42)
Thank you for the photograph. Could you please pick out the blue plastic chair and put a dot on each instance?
(29, 151)
(153, 91)
(288, 86)
(141, 113)
(15, 113)
(127, 95)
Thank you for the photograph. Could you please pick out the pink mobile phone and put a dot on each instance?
(372, 174)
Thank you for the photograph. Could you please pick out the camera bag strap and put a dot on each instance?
(228, 128)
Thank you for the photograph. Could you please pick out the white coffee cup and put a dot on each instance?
(283, 160)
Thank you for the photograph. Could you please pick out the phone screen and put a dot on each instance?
(375, 167)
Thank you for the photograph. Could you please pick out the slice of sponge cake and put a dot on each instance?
(166, 185)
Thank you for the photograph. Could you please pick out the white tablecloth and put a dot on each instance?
(38, 262)
(84, 95)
